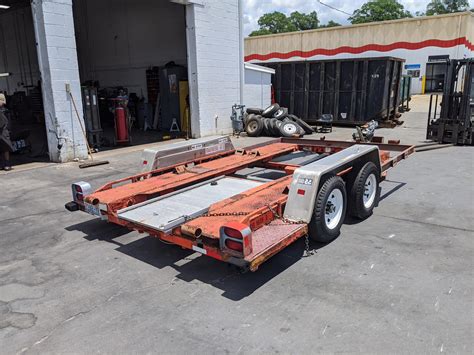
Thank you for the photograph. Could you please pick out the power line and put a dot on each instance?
(334, 8)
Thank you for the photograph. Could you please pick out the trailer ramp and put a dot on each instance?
(169, 211)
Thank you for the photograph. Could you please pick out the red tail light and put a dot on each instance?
(237, 246)
(80, 190)
(236, 239)
(233, 233)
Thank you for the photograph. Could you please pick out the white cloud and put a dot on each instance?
(253, 9)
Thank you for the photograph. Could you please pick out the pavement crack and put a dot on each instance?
(44, 213)
(426, 223)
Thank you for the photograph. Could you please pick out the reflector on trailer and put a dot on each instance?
(236, 239)
(80, 190)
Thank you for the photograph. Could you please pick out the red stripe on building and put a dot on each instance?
(368, 47)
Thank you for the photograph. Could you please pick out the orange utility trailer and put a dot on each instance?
(244, 206)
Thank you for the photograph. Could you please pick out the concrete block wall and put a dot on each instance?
(57, 58)
(214, 64)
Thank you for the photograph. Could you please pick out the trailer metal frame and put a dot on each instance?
(260, 210)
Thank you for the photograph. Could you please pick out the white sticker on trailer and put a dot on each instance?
(215, 148)
(200, 250)
(305, 181)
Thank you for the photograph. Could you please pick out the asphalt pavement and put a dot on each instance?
(400, 281)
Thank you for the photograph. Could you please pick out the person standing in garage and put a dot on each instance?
(5, 142)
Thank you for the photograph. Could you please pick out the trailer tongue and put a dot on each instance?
(244, 206)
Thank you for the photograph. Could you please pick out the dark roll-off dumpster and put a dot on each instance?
(354, 91)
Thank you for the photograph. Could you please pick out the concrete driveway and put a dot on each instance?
(401, 281)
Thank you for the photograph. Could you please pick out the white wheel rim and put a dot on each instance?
(333, 209)
(253, 126)
(289, 128)
(370, 190)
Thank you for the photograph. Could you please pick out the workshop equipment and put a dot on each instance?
(237, 118)
(244, 206)
(90, 103)
(122, 120)
(170, 76)
(451, 115)
(366, 132)
(89, 151)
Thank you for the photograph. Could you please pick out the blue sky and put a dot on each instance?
(253, 9)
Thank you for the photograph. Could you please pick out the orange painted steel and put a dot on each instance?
(249, 207)
(260, 208)
(167, 180)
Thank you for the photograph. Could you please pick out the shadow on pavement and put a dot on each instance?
(193, 266)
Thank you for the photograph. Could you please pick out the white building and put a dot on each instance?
(64, 43)
(424, 42)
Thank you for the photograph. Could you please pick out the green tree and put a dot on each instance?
(303, 21)
(438, 7)
(379, 10)
(331, 23)
(277, 22)
(274, 22)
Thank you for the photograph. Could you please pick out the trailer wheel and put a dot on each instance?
(270, 110)
(364, 194)
(329, 211)
(254, 126)
(281, 113)
(246, 117)
(289, 129)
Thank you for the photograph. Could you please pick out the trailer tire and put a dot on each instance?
(289, 129)
(329, 211)
(254, 126)
(275, 127)
(267, 130)
(246, 118)
(254, 110)
(281, 113)
(364, 194)
(307, 128)
(270, 110)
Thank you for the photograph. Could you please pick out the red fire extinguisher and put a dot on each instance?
(122, 124)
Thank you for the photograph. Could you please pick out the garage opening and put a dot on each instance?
(133, 69)
(20, 82)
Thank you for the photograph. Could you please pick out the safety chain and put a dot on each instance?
(308, 252)
(285, 220)
(225, 214)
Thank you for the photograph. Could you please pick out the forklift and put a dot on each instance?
(451, 120)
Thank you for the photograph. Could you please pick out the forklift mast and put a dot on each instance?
(451, 119)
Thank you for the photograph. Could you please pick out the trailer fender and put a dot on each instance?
(164, 156)
(307, 179)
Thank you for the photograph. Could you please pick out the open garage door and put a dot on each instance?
(133, 69)
(20, 82)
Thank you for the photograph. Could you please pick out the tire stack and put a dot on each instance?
(274, 121)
